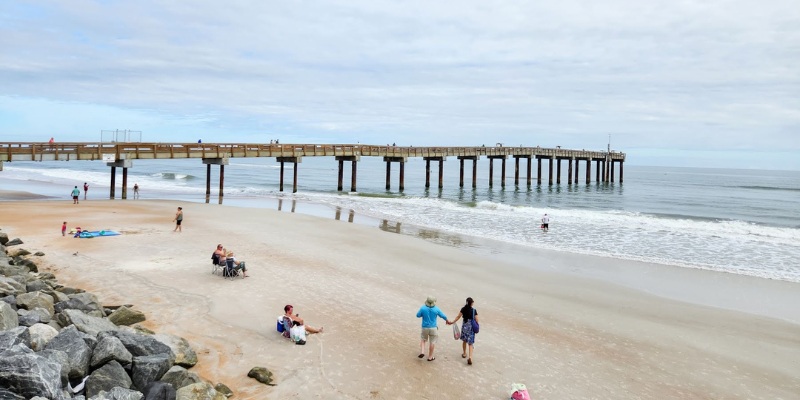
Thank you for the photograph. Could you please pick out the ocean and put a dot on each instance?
(736, 221)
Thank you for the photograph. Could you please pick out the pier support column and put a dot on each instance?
(516, 171)
(605, 175)
(612, 171)
(222, 162)
(474, 169)
(538, 171)
(113, 182)
(550, 172)
(402, 176)
(577, 163)
(441, 173)
(491, 171)
(597, 171)
(503, 173)
(280, 186)
(620, 171)
(388, 175)
(339, 185)
(428, 160)
(558, 171)
(295, 161)
(528, 176)
(502, 170)
(460, 172)
(427, 173)
(588, 171)
(124, 183)
(353, 169)
(124, 164)
(569, 172)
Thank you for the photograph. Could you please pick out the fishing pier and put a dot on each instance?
(121, 155)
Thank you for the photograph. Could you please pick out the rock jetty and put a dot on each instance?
(58, 342)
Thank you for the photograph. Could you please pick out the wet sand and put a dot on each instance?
(563, 334)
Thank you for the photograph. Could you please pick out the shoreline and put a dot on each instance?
(564, 336)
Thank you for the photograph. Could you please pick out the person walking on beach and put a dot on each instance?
(64, 229)
(545, 222)
(178, 219)
(76, 193)
(430, 330)
(467, 334)
(85, 189)
(135, 191)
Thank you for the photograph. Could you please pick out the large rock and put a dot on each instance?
(61, 358)
(8, 317)
(70, 290)
(29, 375)
(107, 377)
(32, 300)
(225, 390)
(126, 316)
(9, 286)
(13, 242)
(10, 300)
(70, 341)
(159, 391)
(12, 337)
(87, 323)
(147, 369)
(3, 238)
(118, 393)
(179, 377)
(85, 302)
(41, 334)
(6, 394)
(29, 265)
(184, 355)
(199, 391)
(140, 344)
(37, 285)
(35, 316)
(57, 296)
(110, 348)
(262, 375)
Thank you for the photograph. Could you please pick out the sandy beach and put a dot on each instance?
(565, 336)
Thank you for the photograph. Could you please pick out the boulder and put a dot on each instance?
(70, 341)
(226, 391)
(56, 295)
(3, 238)
(87, 323)
(9, 286)
(19, 253)
(29, 265)
(126, 316)
(107, 377)
(118, 393)
(262, 375)
(10, 300)
(140, 344)
(6, 394)
(85, 302)
(159, 391)
(26, 373)
(110, 348)
(32, 300)
(60, 358)
(10, 270)
(184, 355)
(147, 369)
(68, 290)
(12, 242)
(41, 334)
(199, 391)
(179, 377)
(12, 337)
(39, 254)
(36, 286)
(8, 317)
(35, 316)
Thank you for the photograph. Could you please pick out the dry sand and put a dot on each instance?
(566, 337)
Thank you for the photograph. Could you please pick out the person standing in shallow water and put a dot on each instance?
(135, 191)
(546, 222)
(85, 189)
(76, 194)
(467, 335)
(178, 220)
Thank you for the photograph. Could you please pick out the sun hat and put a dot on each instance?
(431, 301)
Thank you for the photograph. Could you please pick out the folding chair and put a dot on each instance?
(230, 270)
(218, 266)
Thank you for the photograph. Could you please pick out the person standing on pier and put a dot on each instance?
(76, 193)
(545, 222)
(178, 220)
(85, 189)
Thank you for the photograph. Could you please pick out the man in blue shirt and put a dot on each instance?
(430, 330)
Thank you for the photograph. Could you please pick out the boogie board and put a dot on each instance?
(93, 234)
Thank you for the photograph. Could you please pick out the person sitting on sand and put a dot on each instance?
(237, 265)
(296, 318)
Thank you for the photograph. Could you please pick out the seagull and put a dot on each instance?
(75, 253)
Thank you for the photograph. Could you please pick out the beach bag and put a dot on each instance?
(280, 326)
(519, 392)
(298, 334)
(475, 326)
(214, 258)
(456, 331)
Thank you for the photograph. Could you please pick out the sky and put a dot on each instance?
(675, 83)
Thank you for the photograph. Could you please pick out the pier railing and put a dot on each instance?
(42, 151)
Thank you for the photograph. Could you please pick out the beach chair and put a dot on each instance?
(230, 271)
(217, 264)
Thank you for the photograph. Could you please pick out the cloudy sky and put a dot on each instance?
(684, 83)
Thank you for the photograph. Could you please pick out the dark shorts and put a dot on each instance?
(545, 225)
(74, 197)
(178, 222)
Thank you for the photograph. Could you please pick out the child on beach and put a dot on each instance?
(64, 229)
